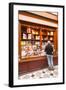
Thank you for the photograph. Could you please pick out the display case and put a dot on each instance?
(33, 41)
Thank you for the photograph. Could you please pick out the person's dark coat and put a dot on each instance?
(49, 49)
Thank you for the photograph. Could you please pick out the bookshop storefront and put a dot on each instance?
(35, 29)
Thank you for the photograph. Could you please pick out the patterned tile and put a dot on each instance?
(44, 73)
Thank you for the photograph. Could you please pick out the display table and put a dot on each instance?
(34, 63)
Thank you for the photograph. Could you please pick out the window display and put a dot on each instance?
(28, 30)
(34, 41)
(24, 36)
(51, 33)
(29, 36)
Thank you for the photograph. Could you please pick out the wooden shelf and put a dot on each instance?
(50, 35)
(29, 40)
(34, 58)
(43, 34)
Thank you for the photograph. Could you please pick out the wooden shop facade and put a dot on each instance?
(34, 30)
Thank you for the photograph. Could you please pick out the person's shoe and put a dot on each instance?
(51, 68)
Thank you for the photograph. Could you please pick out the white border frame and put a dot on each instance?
(58, 9)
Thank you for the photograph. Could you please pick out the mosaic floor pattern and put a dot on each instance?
(44, 73)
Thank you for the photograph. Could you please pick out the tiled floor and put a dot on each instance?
(44, 73)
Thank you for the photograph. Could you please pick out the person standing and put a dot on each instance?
(49, 53)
